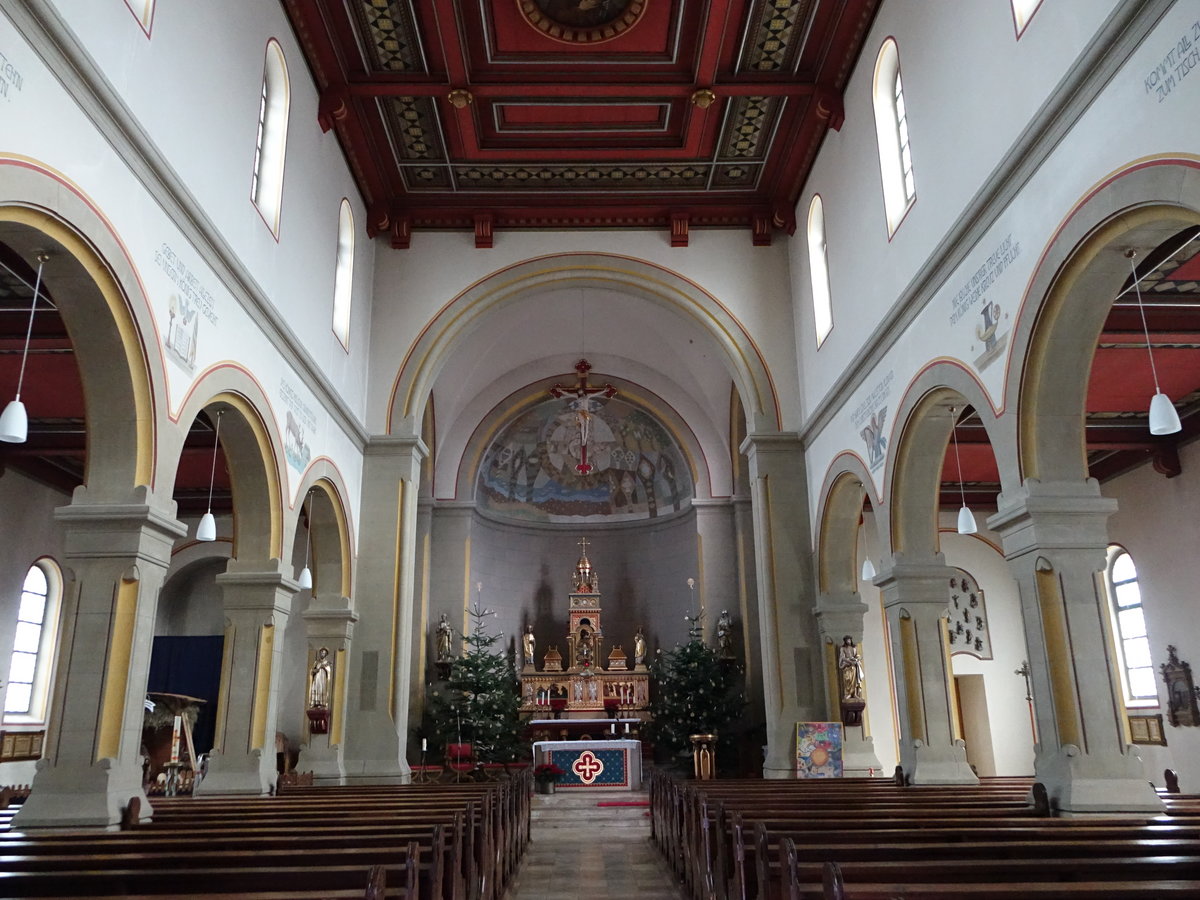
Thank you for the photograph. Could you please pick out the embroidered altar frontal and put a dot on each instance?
(592, 768)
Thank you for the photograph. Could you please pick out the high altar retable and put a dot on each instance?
(586, 688)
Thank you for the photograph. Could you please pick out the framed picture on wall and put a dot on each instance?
(1181, 691)
(1147, 729)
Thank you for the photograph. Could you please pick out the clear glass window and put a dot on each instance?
(270, 143)
(1133, 646)
(343, 276)
(818, 270)
(893, 136)
(34, 638)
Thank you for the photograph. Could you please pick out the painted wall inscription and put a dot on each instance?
(184, 308)
(299, 427)
(971, 301)
(870, 420)
(1180, 61)
(11, 80)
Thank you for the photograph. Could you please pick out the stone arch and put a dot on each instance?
(656, 284)
(914, 469)
(1059, 323)
(516, 403)
(253, 452)
(847, 485)
(105, 312)
(332, 535)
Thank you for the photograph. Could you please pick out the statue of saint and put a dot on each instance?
(528, 642)
(445, 635)
(850, 666)
(639, 648)
(725, 635)
(585, 649)
(318, 683)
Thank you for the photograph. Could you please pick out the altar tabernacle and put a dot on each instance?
(586, 686)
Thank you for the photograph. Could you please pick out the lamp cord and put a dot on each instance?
(1145, 328)
(958, 461)
(29, 329)
(212, 475)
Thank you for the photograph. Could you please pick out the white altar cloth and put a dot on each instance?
(611, 765)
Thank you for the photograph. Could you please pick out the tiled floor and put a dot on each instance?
(584, 851)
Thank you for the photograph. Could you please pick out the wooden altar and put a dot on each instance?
(586, 687)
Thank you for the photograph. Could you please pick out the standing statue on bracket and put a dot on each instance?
(850, 665)
(725, 635)
(528, 642)
(639, 649)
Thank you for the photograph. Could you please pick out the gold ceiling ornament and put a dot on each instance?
(582, 21)
(460, 98)
(703, 98)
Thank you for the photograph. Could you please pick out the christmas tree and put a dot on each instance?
(696, 692)
(480, 703)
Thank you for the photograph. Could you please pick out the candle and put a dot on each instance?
(175, 739)
(612, 729)
(424, 744)
(627, 728)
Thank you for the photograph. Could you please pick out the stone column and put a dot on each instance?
(377, 724)
(329, 623)
(717, 552)
(747, 586)
(915, 597)
(1055, 538)
(839, 615)
(118, 555)
(790, 662)
(257, 599)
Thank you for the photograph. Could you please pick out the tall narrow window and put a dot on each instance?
(29, 669)
(1133, 646)
(818, 270)
(343, 275)
(266, 187)
(143, 11)
(891, 131)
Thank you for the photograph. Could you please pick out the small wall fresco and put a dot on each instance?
(528, 472)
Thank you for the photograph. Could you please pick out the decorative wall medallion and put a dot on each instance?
(582, 21)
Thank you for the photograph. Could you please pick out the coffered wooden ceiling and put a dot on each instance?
(499, 114)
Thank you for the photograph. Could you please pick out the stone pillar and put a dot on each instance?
(377, 724)
(257, 599)
(450, 587)
(837, 616)
(329, 623)
(915, 597)
(717, 552)
(1055, 538)
(118, 555)
(791, 666)
(747, 587)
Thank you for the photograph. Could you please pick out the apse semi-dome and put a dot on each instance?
(528, 472)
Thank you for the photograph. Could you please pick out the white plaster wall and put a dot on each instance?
(1157, 524)
(191, 603)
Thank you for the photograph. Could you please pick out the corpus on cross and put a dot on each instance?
(584, 396)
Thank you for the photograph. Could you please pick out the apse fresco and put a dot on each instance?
(529, 470)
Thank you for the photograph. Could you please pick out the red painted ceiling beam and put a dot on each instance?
(589, 91)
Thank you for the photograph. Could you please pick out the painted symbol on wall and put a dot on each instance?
(587, 767)
(988, 331)
(183, 328)
(295, 448)
(875, 438)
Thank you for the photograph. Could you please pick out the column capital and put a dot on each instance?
(397, 445)
(908, 580)
(771, 441)
(104, 530)
(1055, 515)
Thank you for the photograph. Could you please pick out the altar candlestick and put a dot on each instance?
(612, 729)
(175, 739)
(627, 728)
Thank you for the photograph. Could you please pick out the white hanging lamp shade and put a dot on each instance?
(966, 521)
(1163, 417)
(207, 529)
(14, 423)
(305, 579)
(868, 569)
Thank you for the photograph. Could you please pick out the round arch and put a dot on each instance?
(253, 453)
(914, 470)
(104, 310)
(663, 287)
(323, 490)
(1059, 323)
(847, 485)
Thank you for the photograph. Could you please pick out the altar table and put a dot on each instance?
(612, 765)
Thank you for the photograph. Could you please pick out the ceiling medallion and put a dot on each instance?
(582, 21)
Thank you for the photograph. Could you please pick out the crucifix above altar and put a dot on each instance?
(596, 676)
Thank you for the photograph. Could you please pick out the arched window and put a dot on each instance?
(818, 269)
(143, 11)
(343, 275)
(891, 130)
(1133, 646)
(266, 188)
(32, 661)
(1023, 11)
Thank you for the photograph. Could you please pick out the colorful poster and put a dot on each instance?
(818, 749)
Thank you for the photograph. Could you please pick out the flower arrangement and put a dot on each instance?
(547, 772)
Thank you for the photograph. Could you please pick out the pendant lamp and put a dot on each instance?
(207, 529)
(14, 421)
(966, 519)
(868, 569)
(1163, 417)
(305, 579)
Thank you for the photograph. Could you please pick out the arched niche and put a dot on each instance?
(847, 487)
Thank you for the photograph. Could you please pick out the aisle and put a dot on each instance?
(581, 850)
